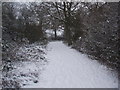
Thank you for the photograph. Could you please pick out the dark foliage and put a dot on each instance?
(17, 29)
(101, 38)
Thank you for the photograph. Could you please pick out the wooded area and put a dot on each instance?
(91, 28)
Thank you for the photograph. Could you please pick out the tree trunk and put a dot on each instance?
(68, 34)
(55, 32)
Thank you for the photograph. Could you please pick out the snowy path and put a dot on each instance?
(68, 68)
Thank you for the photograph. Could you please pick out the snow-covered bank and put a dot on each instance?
(68, 68)
(26, 69)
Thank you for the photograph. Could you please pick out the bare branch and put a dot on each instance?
(75, 6)
(61, 20)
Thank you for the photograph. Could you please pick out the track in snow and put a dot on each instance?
(68, 68)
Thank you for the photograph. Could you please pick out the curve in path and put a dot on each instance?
(68, 68)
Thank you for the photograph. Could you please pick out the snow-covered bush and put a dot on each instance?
(30, 61)
(101, 38)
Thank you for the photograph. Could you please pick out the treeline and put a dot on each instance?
(101, 40)
(91, 28)
(21, 21)
(21, 26)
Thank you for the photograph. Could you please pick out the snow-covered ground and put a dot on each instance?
(26, 69)
(68, 68)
